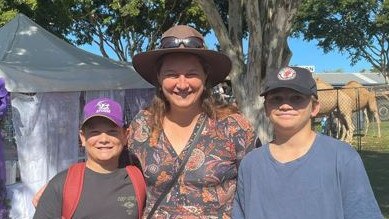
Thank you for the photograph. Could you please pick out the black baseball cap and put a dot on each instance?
(296, 78)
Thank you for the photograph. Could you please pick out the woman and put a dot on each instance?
(183, 122)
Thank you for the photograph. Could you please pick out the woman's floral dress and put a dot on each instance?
(207, 185)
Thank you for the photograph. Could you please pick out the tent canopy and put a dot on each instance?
(34, 60)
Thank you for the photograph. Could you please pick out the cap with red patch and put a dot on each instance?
(296, 78)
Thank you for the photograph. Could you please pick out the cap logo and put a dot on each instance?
(286, 74)
(102, 107)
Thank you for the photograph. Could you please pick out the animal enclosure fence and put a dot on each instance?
(347, 112)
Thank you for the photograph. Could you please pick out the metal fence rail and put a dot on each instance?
(353, 115)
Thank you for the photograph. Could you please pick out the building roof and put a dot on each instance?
(340, 79)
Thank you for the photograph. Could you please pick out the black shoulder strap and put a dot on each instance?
(175, 178)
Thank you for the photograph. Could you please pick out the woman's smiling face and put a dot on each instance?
(182, 79)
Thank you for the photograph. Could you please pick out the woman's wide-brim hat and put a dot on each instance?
(219, 64)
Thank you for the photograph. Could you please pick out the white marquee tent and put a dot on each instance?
(45, 76)
(34, 60)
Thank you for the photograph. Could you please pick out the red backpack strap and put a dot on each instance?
(72, 189)
(138, 181)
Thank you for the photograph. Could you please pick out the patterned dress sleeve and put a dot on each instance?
(138, 134)
(242, 135)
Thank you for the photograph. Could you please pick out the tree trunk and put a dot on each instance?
(269, 24)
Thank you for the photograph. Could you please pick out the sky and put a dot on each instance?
(304, 54)
(307, 53)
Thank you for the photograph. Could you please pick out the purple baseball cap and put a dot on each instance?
(103, 107)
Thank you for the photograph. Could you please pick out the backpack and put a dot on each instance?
(73, 187)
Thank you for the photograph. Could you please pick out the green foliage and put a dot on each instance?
(130, 9)
(125, 27)
(9, 9)
(52, 15)
(6, 16)
(357, 27)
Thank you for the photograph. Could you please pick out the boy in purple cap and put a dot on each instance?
(106, 190)
(301, 174)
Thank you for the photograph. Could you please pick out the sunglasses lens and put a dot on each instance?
(173, 42)
(193, 42)
(169, 42)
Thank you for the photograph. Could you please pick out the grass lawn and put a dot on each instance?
(375, 154)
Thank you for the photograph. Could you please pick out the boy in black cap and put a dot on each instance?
(301, 174)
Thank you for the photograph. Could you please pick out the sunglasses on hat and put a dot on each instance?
(174, 42)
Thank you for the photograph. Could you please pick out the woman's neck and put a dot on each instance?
(183, 117)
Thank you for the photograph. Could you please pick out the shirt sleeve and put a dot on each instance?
(50, 204)
(243, 136)
(139, 129)
(357, 195)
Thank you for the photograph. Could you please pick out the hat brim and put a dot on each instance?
(220, 65)
(102, 116)
(295, 87)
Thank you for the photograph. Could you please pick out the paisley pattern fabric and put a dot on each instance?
(207, 185)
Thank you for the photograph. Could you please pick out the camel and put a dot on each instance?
(337, 102)
(367, 101)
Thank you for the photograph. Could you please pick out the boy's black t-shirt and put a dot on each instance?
(103, 196)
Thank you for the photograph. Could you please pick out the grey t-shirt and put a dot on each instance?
(103, 196)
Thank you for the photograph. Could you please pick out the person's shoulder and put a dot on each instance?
(55, 184)
(60, 177)
(237, 119)
(254, 155)
(142, 118)
(142, 114)
(256, 152)
(50, 198)
(337, 146)
(139, 129)
(134, 171)
(333, 142)
(123, 172)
